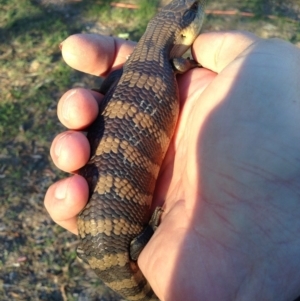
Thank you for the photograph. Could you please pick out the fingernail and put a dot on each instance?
(66, 105)
(59, 143)
(61, 190)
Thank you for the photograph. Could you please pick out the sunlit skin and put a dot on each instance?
(229, 183)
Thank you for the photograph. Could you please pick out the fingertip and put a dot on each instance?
(95, 54)
(79, 51)
(78, 108)
(65, 199)
(70, 151)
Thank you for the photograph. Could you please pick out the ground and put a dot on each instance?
(37, 257)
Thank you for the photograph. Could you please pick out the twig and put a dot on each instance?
(124, 5)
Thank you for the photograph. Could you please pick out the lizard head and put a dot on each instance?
(188, 16)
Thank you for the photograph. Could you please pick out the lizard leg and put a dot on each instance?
(110, 81)
(181, 65)
(139, 242)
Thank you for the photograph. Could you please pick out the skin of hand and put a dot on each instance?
(229, 183)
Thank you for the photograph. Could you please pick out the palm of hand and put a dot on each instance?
(221, 185)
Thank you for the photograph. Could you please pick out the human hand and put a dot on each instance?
(229, 182)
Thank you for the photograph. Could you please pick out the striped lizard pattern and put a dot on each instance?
(128, 141)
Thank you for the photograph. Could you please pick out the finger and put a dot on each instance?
(70, 151)
(65, 199)
(95, 54)
(78, 108)
(193, 83)
(216, 50)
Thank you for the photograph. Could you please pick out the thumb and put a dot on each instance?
(216, 50)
